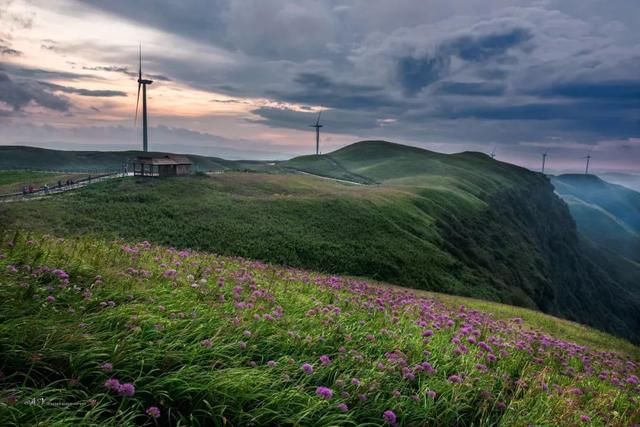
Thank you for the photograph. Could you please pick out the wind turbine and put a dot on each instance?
(143, 83)
(493, 152)
(317, 126)
(586, 171)
(544, 160)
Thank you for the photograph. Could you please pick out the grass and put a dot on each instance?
(211, 340)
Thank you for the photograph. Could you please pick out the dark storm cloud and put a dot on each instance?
(502, 71)
(6, 49)
(340, 122)
(609, 118)
(483, 47)
(470, 89)
(318, 89)
(39, 73)
(416, 73)
(197, 19)
(18, 95)
(607, 89)
(492, 73)
(83, 92)
(125, 70)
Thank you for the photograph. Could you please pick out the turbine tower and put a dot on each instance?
(544, 160)
(143, 83)
(317, 126)
(586, 171)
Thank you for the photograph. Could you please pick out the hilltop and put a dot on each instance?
(137, 334)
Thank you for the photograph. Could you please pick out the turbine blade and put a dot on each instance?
(319, 114)
(135, 121)
(140, 64)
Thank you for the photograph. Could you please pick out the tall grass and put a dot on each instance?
(211, 340)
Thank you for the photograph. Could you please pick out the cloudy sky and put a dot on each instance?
(246, 78)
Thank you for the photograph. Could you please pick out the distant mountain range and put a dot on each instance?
(463, 224)
(607, 214)
(631, 181)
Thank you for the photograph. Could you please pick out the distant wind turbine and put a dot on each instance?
(586, 171)
(493, 152)
(317, 126)
(544, 160)
(143, 83)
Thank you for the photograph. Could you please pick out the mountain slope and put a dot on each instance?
(607, 214)
(135, 334)
(462, 224)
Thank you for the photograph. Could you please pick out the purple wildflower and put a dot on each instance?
(431, 394)
(271, 363)
(126, 389)
(112, 384)
(206, 343)
(107, 367)
(51, 298)
(342, 407)
(153, 412)
(324, 392)
(389, 417)
(307, 368)
(455, 379)
(170, 273)
(325, 360)
(585, 418)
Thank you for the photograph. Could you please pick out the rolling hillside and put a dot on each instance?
(137, 334)
(462, 224)
(33, 158)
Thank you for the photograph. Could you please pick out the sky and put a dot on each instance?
(246, 78)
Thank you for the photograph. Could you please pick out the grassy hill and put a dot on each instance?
(33, 158)
(462, 224)
(608, 214)
(112, 333)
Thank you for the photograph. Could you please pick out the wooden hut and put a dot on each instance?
(168, 165)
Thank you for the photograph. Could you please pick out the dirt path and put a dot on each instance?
(344, 181)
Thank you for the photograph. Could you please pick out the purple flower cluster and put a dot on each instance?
(123, 389)
(324, 392)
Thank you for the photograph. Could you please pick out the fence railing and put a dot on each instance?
(45, 191)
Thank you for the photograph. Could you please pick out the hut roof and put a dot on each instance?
(164, 160)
